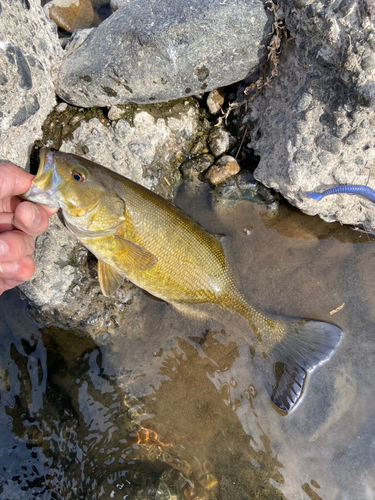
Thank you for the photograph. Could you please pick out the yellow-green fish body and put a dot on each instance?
(138, 235)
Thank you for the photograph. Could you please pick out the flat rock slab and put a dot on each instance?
(156, 51)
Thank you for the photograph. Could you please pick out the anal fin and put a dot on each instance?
(110, 280)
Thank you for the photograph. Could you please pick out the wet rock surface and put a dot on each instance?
(153, 51)
(312, 125)
(29, 53)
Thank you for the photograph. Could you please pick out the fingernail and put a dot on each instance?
(36, 215)
(3, 248)
(9, 267)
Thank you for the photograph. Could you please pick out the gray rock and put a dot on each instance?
(29, 53)
(76, 40)
(116, 4)
(312, 126)
(155, 51)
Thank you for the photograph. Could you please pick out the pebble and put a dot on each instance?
(225, 167)
(70, 15)
(220, 141)
(60, 108)
(215, 101)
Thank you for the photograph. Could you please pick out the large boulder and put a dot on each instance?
(156, 50)
(29, 53)
(312, 127)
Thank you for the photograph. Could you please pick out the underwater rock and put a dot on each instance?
(225, 167)
(312, 125)
(29, 54)
(155, 51)
(70, 15)
(243, 186)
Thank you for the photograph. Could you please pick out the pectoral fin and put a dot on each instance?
(109, 278)
(136, 256)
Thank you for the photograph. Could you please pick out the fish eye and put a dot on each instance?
(78, 176)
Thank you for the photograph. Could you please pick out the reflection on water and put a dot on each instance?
(171, 407)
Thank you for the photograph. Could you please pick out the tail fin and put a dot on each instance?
(305, 344)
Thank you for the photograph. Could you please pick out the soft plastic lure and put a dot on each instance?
(365, 191)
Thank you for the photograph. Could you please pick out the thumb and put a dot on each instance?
(13, 180)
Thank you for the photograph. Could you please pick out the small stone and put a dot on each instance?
(219, 141)
(247, 230)
(225, 167)
(191, 170)
(215, 101)
(61, 107)
(70, 15)
(115, 113)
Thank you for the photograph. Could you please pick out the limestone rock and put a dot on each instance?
(145, 148)
(155, 51)
(29, 53)
(70, 15)
(312, 126)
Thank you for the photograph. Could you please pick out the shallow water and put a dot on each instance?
(172, 407)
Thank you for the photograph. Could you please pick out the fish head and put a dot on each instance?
(68, 182)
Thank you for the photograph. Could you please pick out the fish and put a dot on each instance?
(137, 235)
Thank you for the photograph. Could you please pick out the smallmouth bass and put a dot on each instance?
(138, 235)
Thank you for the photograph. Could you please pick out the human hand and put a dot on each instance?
(20, 222)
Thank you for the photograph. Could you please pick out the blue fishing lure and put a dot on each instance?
(365, 191)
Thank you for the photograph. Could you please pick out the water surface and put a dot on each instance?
(172, 407)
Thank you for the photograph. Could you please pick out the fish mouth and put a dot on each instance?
(46, 181)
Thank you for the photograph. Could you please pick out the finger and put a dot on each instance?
(9, 204)
(6, 222)
(25, 270)
(30, 218)
(14, 245)
(50, 210)
(13, 180)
